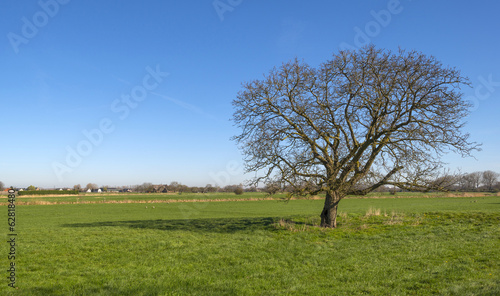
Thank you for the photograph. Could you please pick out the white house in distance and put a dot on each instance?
(94, 190)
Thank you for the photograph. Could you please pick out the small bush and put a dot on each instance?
(238, 191)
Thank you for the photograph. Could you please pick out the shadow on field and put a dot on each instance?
(220, 225)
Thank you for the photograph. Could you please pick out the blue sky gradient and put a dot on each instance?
(67, 65)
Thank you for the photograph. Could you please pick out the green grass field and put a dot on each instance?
(173, 197)
(384, 246)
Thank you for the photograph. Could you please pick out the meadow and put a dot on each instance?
(200, 197)
(383, 246)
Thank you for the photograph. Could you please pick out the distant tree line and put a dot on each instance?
(477, 181)
(485, 181)
(176, 187)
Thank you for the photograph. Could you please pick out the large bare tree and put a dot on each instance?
(363, 119)
(489, 179)
(472, 181)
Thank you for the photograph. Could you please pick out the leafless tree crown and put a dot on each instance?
(361, 120)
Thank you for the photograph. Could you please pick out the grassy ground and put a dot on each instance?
(178, 197)
(403, 246)
(139, 198)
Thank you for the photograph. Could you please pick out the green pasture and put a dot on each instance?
(162, 197)
(142, 197)
(383, 246)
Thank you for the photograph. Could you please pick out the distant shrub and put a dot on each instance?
(238, 191)
(272, 188)
(47, 192)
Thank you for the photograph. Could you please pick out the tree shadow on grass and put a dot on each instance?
(219, 225)
(187, 287)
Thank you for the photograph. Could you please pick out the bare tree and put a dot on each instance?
(91, 186)
(209, 188)
(489, 179)
(148, 187)
(272, 187)
(183, 188)
(472, 181)
(364, 114)
(2, 186)
(77, 187)
(462, 182)
(174, 186)
(446, 182)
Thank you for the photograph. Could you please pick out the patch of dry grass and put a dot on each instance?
(468, 194)
(372, 212)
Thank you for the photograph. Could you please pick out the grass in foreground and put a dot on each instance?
(443, 246)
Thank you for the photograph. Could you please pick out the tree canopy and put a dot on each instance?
(363, 119)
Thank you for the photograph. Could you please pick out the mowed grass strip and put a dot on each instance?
(419, 246)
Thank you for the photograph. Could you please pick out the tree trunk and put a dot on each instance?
(329, 213)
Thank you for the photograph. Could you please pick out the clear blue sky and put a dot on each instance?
(68, 67)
